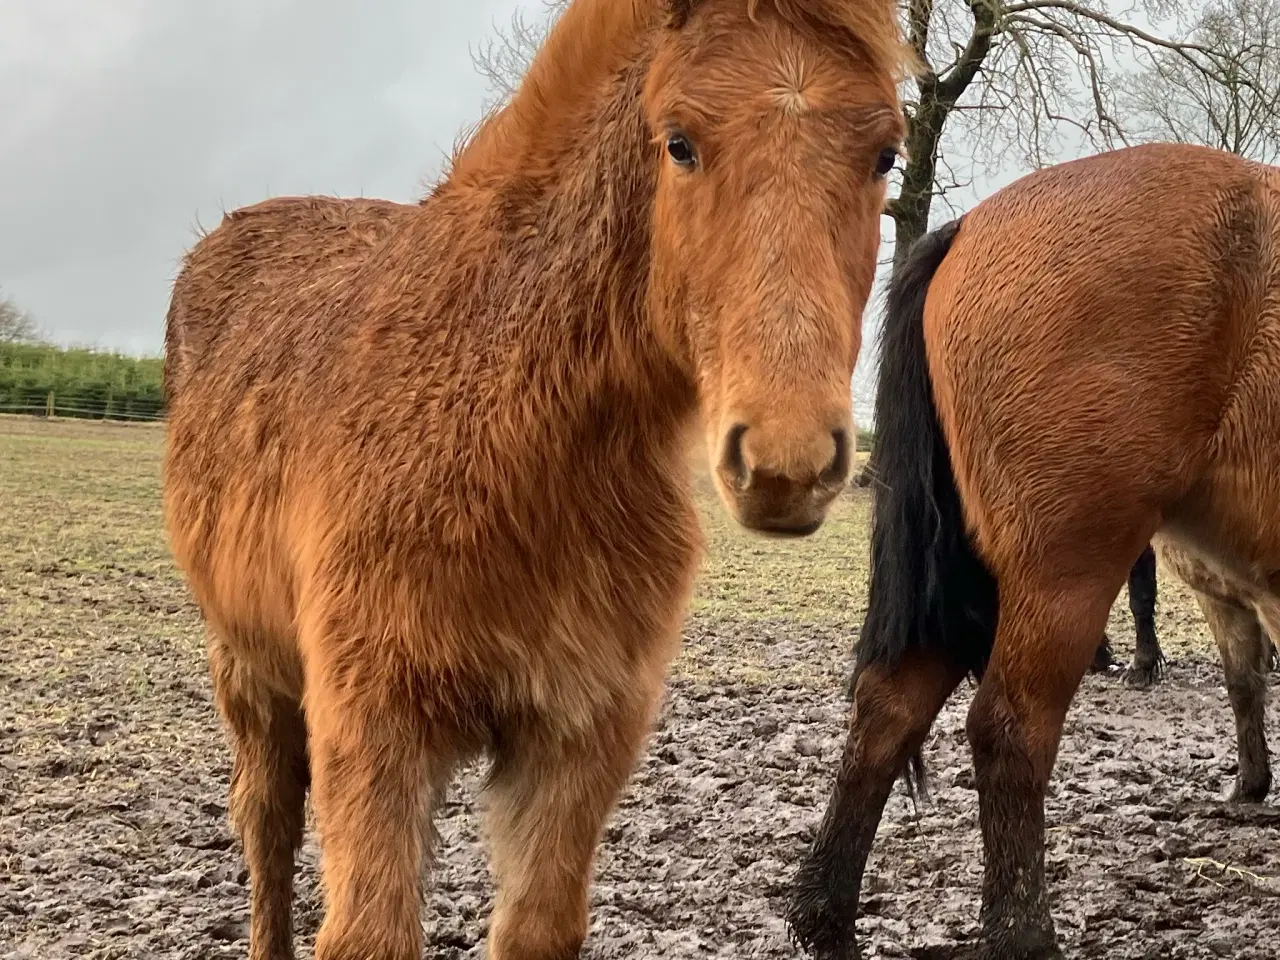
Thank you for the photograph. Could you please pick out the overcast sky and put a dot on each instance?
(123, 123)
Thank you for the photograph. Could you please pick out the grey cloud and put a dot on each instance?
(126, 131)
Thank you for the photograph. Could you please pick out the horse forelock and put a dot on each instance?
(872, 25)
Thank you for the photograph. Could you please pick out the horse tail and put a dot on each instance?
(929, 588)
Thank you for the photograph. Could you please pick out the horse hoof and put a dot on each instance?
(820, 934)
(1043, 952)
(1033, 942)
(1140, 676)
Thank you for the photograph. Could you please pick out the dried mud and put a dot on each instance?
(114, 844)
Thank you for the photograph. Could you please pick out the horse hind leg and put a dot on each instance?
(894, 707)
(1045, 640)
(1104, 657)
(269, 779)
(1243, 646)
(1148, 659)
(1269, 614)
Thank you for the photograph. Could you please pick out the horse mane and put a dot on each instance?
(594, 39)
(589, 41)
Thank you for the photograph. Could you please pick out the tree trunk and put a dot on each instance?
(938, 95)
(911, 208)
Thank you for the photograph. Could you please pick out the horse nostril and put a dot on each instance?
(838, 469)
(732, 461)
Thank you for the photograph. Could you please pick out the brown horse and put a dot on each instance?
(426, 470)
(1127, 303)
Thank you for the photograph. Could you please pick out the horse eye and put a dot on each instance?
(884, 163)
(680, 150)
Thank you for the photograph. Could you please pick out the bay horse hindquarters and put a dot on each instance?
(426, 471)
(1089, 356)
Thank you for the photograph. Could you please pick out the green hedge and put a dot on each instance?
(79, 383)
(101, 385)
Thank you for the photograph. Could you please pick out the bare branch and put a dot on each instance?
(503, 59)
(1097, 16)
(1229, 99)
(956, 81)
(919, 15)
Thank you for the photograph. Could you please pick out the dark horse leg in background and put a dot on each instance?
(1148, 659)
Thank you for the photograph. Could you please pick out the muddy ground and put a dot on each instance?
(113, 769)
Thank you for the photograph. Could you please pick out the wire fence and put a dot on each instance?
(151, 410)
(138, 409)
(40, 379)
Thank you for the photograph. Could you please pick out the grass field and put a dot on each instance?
(83, 498)
(113, 770)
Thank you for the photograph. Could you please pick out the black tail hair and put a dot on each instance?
(929, 588)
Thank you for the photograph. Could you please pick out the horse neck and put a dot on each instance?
(575, 274)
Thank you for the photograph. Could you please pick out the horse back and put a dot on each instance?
(261, 255)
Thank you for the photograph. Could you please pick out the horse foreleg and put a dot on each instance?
(1245, 650)
(373, 778)
(550, 793)
(1044, 643)
(1148, 659)
(893, 709)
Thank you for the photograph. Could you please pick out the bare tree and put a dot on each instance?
(503, 59)
(16, 325)
(1237, 107)
(1011, 83)
(1016, 81)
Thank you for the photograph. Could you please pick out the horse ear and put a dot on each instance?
(678, 12)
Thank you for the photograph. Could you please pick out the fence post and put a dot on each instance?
(48, 408)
